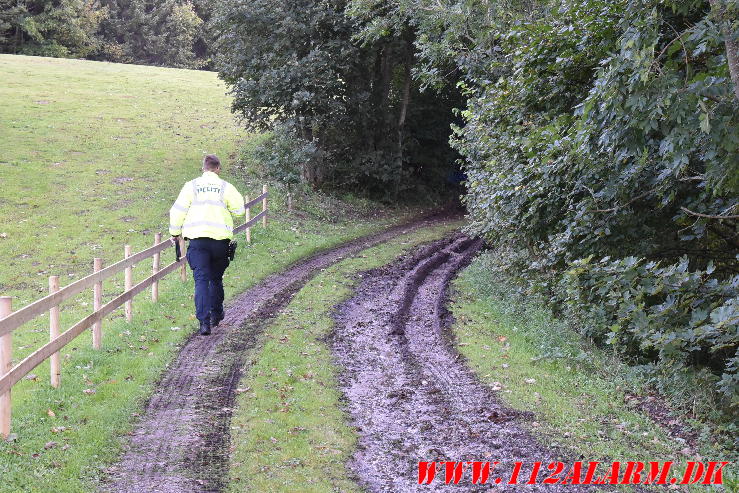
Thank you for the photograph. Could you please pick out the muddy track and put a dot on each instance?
(181, 441)
(409, 394)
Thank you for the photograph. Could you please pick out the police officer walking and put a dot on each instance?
(202, 214)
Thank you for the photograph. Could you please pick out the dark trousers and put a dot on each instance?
(208, 260)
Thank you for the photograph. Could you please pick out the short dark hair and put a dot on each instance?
(211, 162)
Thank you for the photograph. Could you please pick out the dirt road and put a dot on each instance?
(409, 394)
(180, 443)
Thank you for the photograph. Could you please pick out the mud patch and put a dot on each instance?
(181, 443)
(656, 408)
(408, 391)
(119, 204)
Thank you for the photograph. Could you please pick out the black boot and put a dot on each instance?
(204, 328)
(216, 319)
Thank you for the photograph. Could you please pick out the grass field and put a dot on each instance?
(92, 156)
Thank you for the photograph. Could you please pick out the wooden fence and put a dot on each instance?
(10, 320)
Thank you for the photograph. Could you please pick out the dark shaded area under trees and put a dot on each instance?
(346, 111)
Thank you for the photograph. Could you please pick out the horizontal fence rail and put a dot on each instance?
(11, 320)
(29, 312)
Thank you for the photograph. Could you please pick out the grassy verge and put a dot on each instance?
(92, 156)
(289, 432)
(66, 437)
(576, 392)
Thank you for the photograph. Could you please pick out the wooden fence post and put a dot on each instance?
(97, 303)
(128, 283)
(56, 370)
(248, 218)
(6, 364)
(264, 207)
(155, 269)
(183, 270)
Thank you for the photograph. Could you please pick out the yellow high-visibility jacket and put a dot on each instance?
(204, 208)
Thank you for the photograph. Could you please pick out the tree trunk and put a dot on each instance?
(732, 44)
(385, 82)
(404, 110)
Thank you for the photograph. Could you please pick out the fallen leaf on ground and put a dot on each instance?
(50, 445)
(89, 391)
(51, 413)
(530, 380)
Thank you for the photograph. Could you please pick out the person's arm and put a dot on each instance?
(179, 209)
(234, 201)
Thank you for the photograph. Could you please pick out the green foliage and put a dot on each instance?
(132, 31)
(597, 128)
(609, 129)
(284, 155)
(660, 313)
(151, 33)
(302, 66)
(60, 28)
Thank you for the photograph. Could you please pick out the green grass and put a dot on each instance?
(92, 157)
(289, 431)
(575, 391)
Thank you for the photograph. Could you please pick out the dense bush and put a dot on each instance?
(63, 28)
(167, 32)
(285, 157)
(649, 312)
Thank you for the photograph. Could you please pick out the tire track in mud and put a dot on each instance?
(181, 441)
(409, 394)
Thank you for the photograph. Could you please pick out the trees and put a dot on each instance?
(601, 144)
(65, 28)
(151, 33)
(299, 64)
(130, 31)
